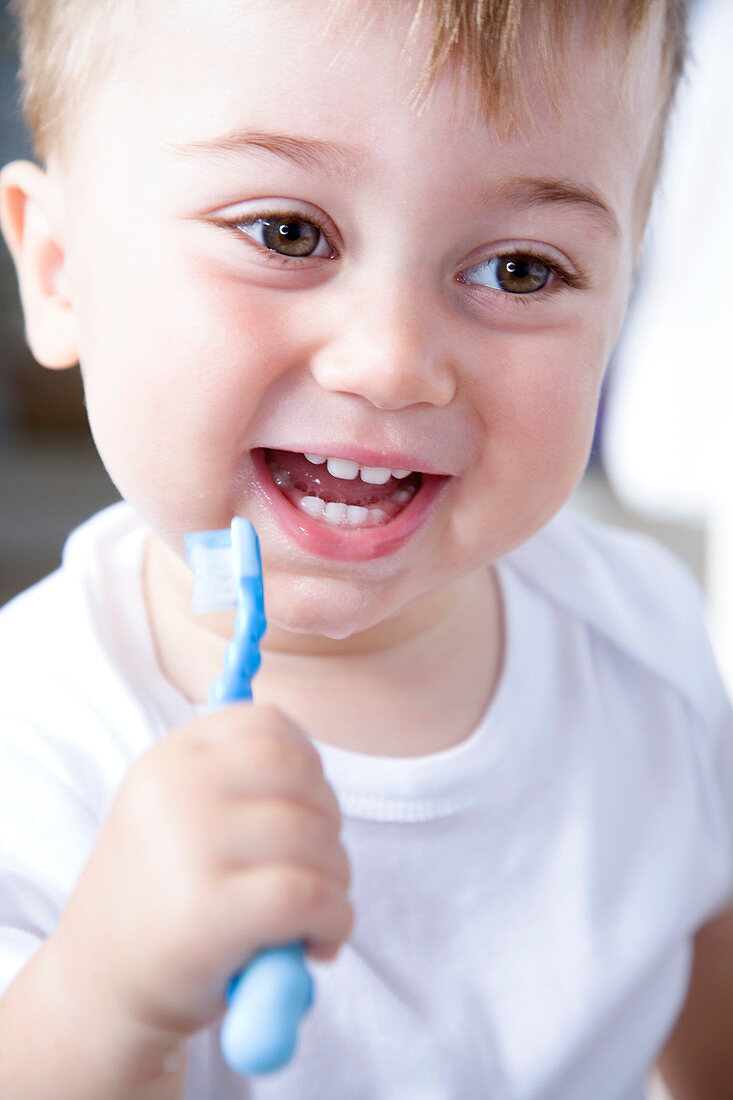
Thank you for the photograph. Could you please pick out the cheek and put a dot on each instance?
(174, 372)
(538, 409)
(555, 418)
(545, 392)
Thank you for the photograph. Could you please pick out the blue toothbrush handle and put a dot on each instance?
(270, 996)
(267, 1001)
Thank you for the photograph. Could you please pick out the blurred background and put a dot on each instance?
(662, 450)
(50, 476)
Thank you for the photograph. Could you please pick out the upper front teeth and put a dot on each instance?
(347, 470)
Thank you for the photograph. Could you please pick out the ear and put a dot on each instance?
(30, 221)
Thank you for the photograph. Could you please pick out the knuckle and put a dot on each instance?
(268, 719)
(332, 805)
(268, 752)
(312, 839)
(281, 754)
(343, 867)
(302, 891)
(347, 919)
(288, 831)
(278, 724)
(271, 716)
(316, 829)
(307, 760)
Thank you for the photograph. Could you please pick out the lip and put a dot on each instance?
(344, 544)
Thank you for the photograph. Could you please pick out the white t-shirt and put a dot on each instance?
(524, 901)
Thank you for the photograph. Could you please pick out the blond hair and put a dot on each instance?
(65, 45)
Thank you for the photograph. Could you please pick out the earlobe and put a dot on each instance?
(29, 217)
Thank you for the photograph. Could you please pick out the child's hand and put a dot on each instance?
(223, 838)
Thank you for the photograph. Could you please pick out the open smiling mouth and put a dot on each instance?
(337, 508)
(339, 493)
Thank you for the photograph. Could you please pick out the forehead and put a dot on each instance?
(289, 37)
(344, 73)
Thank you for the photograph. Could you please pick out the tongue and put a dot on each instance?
(294, 471)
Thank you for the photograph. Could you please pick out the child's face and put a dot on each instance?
(396, 342)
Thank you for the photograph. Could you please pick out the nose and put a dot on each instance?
(391, 350)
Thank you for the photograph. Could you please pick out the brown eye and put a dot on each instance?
(521, 274)
(292, 238)
(287, 236)
(514, 274)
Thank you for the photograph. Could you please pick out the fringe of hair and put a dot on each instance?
(66, 44)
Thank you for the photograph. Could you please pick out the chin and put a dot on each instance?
(329, 609)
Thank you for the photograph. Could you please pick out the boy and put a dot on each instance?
(368, 304)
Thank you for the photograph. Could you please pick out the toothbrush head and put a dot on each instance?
(227, 572)
(220, 560)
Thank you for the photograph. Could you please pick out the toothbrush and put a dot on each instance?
(267, 999)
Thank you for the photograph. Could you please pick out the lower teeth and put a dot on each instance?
(342, 515)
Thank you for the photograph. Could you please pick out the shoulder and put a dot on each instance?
(632, 594)
(50, 627)
(69, 703)
(37, 610)
(644, 722)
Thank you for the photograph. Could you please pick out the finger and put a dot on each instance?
(284, 903)
(250, 761)
(266, 831)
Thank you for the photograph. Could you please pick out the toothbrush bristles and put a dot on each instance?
(218, 559)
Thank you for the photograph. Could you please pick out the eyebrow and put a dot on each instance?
(343, 159)
(304, 151)
(541, 192)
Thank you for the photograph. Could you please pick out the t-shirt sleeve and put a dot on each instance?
(649, 610)
(46, 835)
(723, 772)
(698, 678)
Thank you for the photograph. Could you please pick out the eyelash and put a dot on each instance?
(567, 278)
(268, 254)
